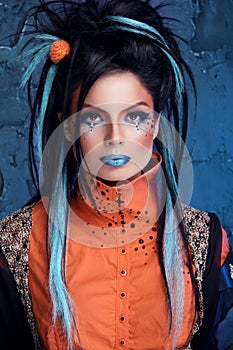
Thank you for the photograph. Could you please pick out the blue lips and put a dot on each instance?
(115, 159)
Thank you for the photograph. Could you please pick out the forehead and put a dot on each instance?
(119, 87)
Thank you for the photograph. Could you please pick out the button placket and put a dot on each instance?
(122, 306)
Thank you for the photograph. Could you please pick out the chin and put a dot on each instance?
(121, 173)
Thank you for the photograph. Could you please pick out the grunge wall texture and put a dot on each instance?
(207, 25)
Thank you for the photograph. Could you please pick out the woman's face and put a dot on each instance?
(117, 127)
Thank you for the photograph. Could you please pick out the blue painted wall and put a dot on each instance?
(207, 26)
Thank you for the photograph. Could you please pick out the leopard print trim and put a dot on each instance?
(14, 240)
(197, 225)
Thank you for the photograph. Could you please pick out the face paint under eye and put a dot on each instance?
(137, 118)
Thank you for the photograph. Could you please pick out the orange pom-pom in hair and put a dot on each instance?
(58, 50)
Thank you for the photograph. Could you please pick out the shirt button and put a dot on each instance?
(123, 272)
(122, 342)
(122, 318)
(123, 295)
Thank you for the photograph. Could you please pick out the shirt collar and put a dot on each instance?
(108, 216)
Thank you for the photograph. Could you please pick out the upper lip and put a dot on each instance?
(114, 157)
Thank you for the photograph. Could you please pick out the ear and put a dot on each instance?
(69, 131)
(156, 128)
(69, 128)
(69, 123)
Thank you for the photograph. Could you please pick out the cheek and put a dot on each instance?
(92, 140)
(146, 140)
(86, 144)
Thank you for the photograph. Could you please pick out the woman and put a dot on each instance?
(107, 257)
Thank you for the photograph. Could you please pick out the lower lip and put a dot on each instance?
(115, 161)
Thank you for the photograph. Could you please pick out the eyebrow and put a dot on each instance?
(141, 103)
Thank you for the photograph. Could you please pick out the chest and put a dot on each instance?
(118, 295)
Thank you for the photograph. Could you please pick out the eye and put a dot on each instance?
(92, 118)
(136, 117)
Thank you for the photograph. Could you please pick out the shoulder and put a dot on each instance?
(19, 218)
(200, 225)
(16, 222)
(203, 232)
(194, 218)
(14, 232)
(197, 227)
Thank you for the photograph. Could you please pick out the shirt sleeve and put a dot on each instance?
(225, 247)
(216, 332)
(15, 331)
(224, 313)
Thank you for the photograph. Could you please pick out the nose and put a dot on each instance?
(113, 134)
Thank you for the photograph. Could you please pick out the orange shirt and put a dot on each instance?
(112, 274)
